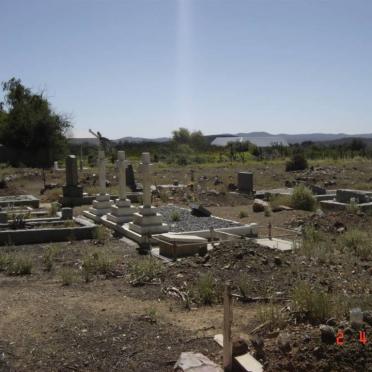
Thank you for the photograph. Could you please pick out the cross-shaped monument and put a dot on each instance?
(122, 211)
(147, 221)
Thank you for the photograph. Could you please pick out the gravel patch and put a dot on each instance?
(188, 222)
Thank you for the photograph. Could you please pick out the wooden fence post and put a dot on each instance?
(227, 321)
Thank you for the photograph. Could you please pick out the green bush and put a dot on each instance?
(312, 304)
(68, 276)
(358, 241)
(18, 265)
(205, 291)
(97, 263)
(175, 216)
(302, 198)
(145, 270)
(297, 162)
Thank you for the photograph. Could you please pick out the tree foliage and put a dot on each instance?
(29, 125)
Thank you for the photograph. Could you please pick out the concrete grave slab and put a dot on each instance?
(274, 243)
(16, 200)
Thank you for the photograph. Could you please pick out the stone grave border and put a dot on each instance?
(86, 230)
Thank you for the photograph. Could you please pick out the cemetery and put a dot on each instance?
(178, 252)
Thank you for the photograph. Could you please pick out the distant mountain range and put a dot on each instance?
(290, 138)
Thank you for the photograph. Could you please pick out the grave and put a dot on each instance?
(122, 211)
(72, 191)
(102, 204)
(46, 230)
(245, 182)
(344, 198)
(146, 221)
(19, 200)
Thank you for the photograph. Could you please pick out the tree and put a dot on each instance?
(182, 135)
(30, 126)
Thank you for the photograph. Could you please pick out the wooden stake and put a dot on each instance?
(227, 321)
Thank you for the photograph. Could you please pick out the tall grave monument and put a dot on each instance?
(102, 204)
(146, 221)
(72, 191)
(122, 211)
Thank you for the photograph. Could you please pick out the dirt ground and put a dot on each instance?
(113, 322)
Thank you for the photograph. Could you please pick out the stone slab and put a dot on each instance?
(344, 196)
(274, 243)
(29, 200)
(246, 361)
(173, 245)
(148, 229)
(138, 219)
(119, 219)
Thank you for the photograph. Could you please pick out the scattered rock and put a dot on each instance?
(199, 211)
(283, 342)
(277, 260)
(195, 362)
(239, 346)
(331, 322)
(367, 317)
(259, 205)
(327, 334)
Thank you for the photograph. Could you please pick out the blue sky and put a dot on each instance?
(146, 67)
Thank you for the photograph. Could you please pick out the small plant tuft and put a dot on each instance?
(243, 214)
(68, 276)
(302, 198)
(175, 216)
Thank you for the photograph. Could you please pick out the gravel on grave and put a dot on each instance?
(188, 222)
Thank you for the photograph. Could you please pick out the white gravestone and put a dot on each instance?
(102, 204)
(122, 211)
(147, 221)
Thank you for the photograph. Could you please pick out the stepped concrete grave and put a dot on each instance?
(122, 211)
(102, 204)
(345, 198)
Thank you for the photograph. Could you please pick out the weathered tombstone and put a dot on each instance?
(122, 211)
(245, 182)
(129, 176)
(72, 191)
(67, 213)
(56, 165)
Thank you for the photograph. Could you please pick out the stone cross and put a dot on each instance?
(122, 165)
(146, 169)
(102, 172)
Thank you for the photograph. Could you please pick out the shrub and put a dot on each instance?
(205, 291)
(243, 214)
(175, 216)
(101, 234)
(68, 276)
(358, 241)
(312, 304)
(48, 258)
(302, 198)
(297, 162)
(272, 316)
(18, 265)
(145, 270)
(95, 264)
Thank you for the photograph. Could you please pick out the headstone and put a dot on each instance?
(122, 211)
(130, 180)
(102, 204)
(72, 188)
(245, 182)
(55, 165)
(67, 213)
(147, 221)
